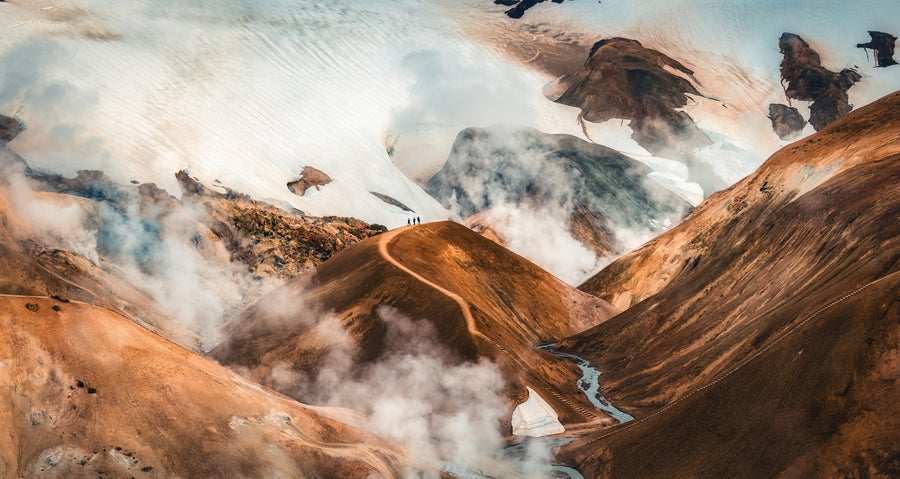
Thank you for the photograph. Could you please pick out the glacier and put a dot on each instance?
(373, 93)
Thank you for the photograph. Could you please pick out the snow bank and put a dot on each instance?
(535, 418)
(249, 93)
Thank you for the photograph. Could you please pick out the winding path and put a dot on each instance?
(385, 238)
(383, 242)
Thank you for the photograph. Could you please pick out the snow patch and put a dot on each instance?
(535, 418)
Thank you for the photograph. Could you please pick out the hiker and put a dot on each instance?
(408, 222)
(418, 220)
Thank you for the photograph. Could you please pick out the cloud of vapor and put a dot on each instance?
(60, 224)
(53, 108)
(451, 91)
(160, 251)
(448, 92)
(448, 415)
(161, 256)
(539, 193)
(543, 236)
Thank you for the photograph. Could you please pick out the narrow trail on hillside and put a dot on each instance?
(385, 238)
(626, 426)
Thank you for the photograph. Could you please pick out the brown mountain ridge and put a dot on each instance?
(481, 299)
(761, 334)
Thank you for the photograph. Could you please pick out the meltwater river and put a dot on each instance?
(590, 385)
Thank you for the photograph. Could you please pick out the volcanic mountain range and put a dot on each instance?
(807, 238)
(144, 334)
(771, 311)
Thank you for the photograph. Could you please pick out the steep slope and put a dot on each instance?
(770, 312)
(29, 266)
(481, 300)
(86, 392)
(138, 250)
(865, 135)
(269, 241)
(820, 403)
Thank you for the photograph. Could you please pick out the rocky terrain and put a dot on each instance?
(786, 121)
(87, 393)
(309, 178)
(270, 241)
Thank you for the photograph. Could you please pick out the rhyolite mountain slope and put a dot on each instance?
(93, 384)
(786, 284)
(140, 251)
(481, 300)
(87, 393)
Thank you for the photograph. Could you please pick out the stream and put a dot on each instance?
(590, 384)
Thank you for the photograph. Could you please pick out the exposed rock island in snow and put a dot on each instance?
(535, 418)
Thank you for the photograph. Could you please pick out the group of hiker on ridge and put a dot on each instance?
(413, 221)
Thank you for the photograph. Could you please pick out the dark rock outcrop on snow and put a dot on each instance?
(883, 45)
(9, 129)
(808, 80)
(309, 177)
(520, 6)
(90, 184)
(595, 185)
(391, 201)
(786, 121)
(622, 79)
